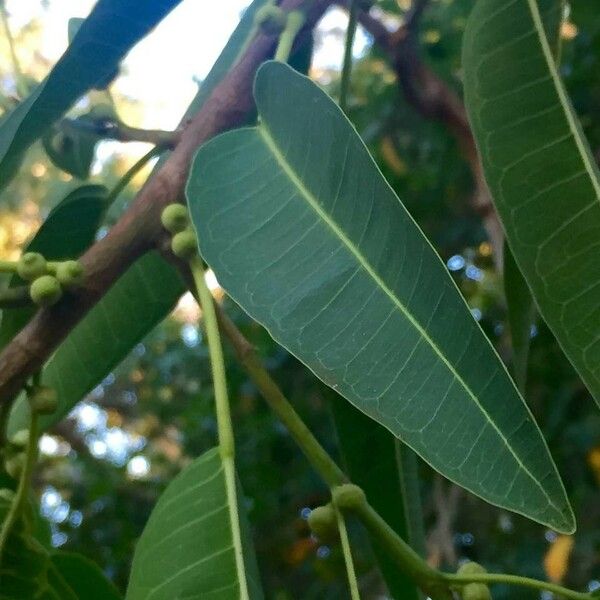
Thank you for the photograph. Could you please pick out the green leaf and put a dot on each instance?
(384, 482)
(540, 171)
(186, 549)
(145, 294)
(84, 578)
(71, 151)
(28, 570)
(521, 316)
(105, 37)
(303, 231)
(66, 233)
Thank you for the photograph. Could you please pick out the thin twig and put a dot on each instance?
(113, 129)
(347, 65)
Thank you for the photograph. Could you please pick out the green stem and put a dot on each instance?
(323, 464)
(413, 565)
(347, 551)
(131, 173)
(435, 583)
(498, 578)
(21, 495)
(295, 21)
(18, 72)
(224, 426)
(7, 266)
(347, 66)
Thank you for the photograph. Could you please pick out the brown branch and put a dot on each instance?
(434, 99)
(139, 229)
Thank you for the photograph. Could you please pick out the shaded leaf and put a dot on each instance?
(186, 549)
(84, 578)
(102, 40)
(540, 171)
(305, 234)
(521, 315)
(382, 482)
(66, 233)
(28, 570)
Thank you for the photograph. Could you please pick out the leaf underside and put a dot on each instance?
(538, 166)
(302, 230)
(186, 549)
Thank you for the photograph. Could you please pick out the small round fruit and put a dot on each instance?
(271, 19)
(45, 290)
(15, 464)
(323, 523)
(348, 496)
(31, 266)
(44, 400)
(476, 591)
(175, 218)
(470, 568)
(183, 244)
(20, 439)
(69, 274)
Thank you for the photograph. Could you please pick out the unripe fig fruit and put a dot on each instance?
(20, 439)
(31, 266)
(323, 523)
(45, 290)
(470, 568)
(474, 591)
(44, 400)
(271, 19)
(69, 274)
(175, 218)
(348, 496)
(15, 464)
(183, 244)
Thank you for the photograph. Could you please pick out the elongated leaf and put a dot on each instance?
(131, 308)
(540, 171)
(28, 570)
(66, 233)
(521, 315)
(371, 458)
(187, 547)
(111, 29)
(305, 234)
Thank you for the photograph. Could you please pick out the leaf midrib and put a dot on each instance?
(263, 131)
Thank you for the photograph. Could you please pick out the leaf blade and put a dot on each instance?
(286, 225)
(538, 166)
(203, 544)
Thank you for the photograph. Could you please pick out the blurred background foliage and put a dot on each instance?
(102, 469)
